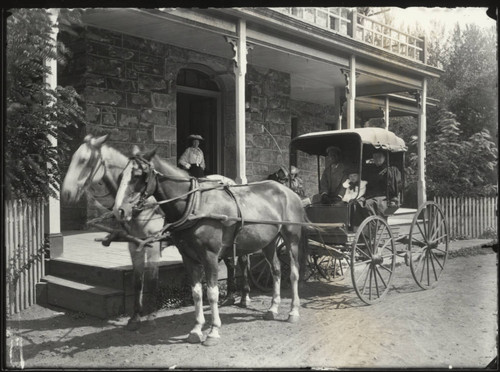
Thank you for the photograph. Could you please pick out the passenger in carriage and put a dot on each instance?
(382, 189)
(353, 187)
(354, 194)
(330, 188)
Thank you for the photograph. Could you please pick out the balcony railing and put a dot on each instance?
(359, 27)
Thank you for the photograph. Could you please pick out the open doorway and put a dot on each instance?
(198, 112)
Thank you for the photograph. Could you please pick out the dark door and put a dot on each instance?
(197, 114)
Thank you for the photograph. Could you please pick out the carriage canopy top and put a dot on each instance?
(316, 143)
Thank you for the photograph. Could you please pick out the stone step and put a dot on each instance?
(100, 301)
(86, 274)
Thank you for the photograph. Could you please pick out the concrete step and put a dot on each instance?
(100, 301)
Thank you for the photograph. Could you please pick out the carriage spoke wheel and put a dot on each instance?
(330, 267)
(260, 270)
(373, 259)
(428, 245)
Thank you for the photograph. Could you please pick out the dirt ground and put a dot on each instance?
(453, 325)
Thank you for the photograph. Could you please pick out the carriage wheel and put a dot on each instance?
(329, 267)
(428, 245)
(373, 259)
(260, 269)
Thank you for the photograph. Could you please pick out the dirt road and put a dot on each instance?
(453, 325)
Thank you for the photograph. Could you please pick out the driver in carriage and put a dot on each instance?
(330, 186)
(382, 189)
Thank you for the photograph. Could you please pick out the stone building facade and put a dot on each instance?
(130, 90)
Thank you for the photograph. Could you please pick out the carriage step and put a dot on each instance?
(102, 302)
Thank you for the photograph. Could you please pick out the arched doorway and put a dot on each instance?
(198, 112)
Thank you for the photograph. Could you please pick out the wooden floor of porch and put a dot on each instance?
(82, 247)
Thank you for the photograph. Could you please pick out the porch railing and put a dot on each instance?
(365, 29)
(470, 217)
(24, 236)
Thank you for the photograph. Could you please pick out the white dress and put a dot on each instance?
(192, 155)
(353, 194)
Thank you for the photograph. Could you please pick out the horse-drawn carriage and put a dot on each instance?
(208, 219)
(368, 254)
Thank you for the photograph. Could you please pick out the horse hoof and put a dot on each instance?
(211, 341)
(269, 315)
(133, 325)
(293, 319)
(194, 338)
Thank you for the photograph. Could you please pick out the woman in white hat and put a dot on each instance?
(192, 159)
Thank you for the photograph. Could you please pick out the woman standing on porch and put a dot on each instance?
(192, 159)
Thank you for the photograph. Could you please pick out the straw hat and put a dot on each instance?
(195, 136)
(284, 170)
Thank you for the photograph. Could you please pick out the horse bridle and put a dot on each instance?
(151, 182)
(98, 162)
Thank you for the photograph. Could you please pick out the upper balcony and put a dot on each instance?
(348, 22)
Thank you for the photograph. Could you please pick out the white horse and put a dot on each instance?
(94, 167)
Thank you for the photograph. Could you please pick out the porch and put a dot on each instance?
(91, 278)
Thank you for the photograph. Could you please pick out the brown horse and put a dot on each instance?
(205, 221)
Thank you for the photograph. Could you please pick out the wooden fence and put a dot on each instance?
(469, 217)
(24, 236)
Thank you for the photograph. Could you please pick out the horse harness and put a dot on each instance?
(189, 216)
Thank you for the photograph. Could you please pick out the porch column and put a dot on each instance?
(240, 69)
(339, 101)
(422, 129)
(350, 87)
(53, 212)
(386, 113)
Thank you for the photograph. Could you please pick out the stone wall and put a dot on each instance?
(128, 84)
(269, 97)
(129, 87)
(311, 118)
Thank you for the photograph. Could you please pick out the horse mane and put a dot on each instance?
(165, 167)
(113, 156)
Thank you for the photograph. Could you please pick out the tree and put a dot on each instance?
(470, 79)
(461, 137)
(33, 110)
(457, 166)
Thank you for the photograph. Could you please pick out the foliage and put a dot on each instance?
(470, 79)
(457, 166)
(462, 135)
(34, 111)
